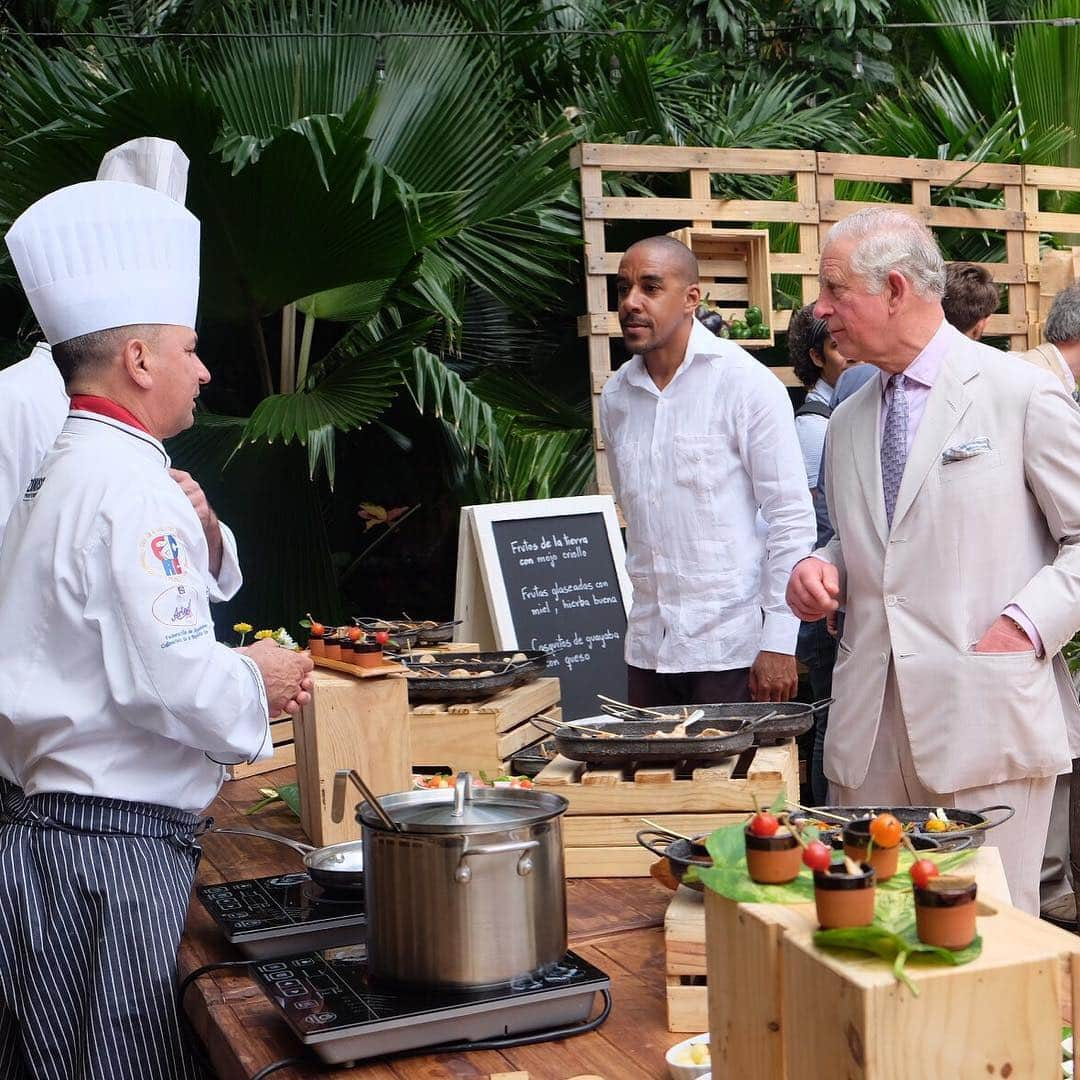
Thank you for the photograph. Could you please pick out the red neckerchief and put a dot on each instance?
(104, 407)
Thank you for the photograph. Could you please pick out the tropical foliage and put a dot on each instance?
(391, 240)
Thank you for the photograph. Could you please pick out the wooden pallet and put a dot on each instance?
(484, 734)
(607, 805)
(686, 962)
(808, 197)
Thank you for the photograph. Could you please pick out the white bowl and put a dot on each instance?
(678, 1071)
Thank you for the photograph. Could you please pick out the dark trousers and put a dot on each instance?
(93, 896)
(817, 651)
(651, 688)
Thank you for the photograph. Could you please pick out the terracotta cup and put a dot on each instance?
(367, 654)
(772, 860)
(844, 900)
(945, 912)
(856, 841)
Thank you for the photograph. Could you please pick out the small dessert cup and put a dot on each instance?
(945, 912)
(316, 644)
(367, 653)
(842, 899)
(856, 841)
(332, 647)
(773, 860)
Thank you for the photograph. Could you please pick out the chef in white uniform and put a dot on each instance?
(118, 709)
(33, 401)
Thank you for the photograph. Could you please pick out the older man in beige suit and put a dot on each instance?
(954, 487)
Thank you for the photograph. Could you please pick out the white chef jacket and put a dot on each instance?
(33, 407)
(692, 467)
(111, 681)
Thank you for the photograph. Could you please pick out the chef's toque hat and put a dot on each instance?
(102, 254)
(154, 163)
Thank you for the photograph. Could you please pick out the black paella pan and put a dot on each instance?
(974, 823)
(680, 853)
(453, 690)
(787, 719)
(627, 742)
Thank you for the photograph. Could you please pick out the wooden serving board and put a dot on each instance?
(387, 667)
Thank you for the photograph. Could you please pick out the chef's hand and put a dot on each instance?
(1004, 636)
(773, 677)
(813, 590)
(285, 674)
(207, 518)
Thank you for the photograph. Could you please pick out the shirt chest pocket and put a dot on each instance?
(699, 462)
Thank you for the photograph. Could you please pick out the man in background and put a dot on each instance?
(1060, 354)
(971, 297)
(699, 437)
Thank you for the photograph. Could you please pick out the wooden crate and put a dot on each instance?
(281, 734)
(734, 265)
(1000, 1015)
(749, 1014)
(485, 734)
(350, 723)
(607, 805)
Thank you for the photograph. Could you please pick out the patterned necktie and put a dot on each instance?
(894, 444)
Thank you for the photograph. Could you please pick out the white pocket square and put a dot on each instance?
(963, 451)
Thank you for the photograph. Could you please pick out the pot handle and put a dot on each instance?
(666, 837)
(463, 873)
(297, 845)
(999, 806)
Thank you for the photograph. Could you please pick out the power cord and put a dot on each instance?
(273, 1067)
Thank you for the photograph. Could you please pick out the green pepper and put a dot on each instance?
(759, 331)
(753, 315)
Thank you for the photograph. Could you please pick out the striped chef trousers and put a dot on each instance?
(93, 896)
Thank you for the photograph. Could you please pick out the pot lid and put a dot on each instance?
(465, 809)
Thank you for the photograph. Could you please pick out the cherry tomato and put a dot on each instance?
(317, 628)
(817, 855)
(381, 637)
(886, 831)
(922, 871)
(764, 824)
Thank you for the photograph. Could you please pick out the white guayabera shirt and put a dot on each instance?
(711, 481)
(111, 681)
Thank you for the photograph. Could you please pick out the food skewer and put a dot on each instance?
(817, 813)
(635, 708)
(666, 831)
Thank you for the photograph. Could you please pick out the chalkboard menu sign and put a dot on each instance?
(554, 580)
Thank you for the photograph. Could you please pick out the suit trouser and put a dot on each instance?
(1056, 877)
(891, 780)
(93, 896)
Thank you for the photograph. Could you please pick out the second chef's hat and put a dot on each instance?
(151, 162)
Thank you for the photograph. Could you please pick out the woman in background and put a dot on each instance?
(818, 366)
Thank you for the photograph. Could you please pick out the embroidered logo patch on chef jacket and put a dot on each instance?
(176, 606)
(33, 488)
(162, 553)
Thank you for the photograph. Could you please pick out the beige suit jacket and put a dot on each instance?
(1049, 358)
(968, 538)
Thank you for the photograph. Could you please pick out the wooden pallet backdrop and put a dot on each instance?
(1021, 194)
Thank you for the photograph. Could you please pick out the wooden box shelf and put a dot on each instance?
(484, 734)
(734, 265)
(607, 805)
(759, 1024)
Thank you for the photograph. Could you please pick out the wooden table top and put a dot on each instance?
(616, 924)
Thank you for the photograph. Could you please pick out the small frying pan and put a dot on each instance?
(338, 866)
(680, 853)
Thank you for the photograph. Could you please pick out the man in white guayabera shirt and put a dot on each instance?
(706, 466)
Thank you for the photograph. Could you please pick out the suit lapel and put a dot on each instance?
(947, 403)
(866, 453)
